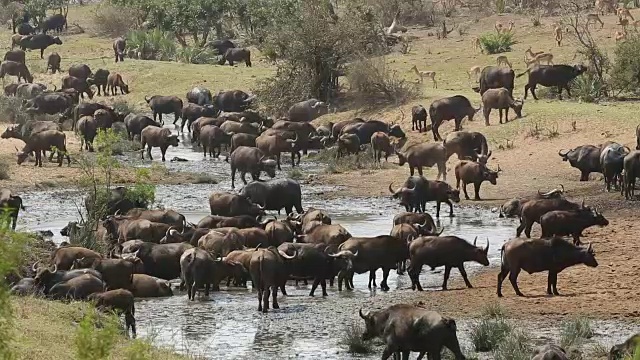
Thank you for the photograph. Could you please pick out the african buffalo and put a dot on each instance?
(513, 207)
(326, 234)
(197, 267)
(380, 143)
(152, 137)
(200, 96)
(469, 145)
(275, 194)
(405, 328)
(500, 99)
(227, 204)
(629, 347)
(116, 273)
(145, 286)
(423, 219)
(220, 46)
(123, 228)
(81, 71)
(212, 138)
(550, 352)
(585, 158)
(24, 287)
(537, 255)
(136, 123)
(455, 107)
(275, 142)
(165, 105)
(239, 221)
(236, 55)
(53, 62)
(305, 131)
(160, 260)
(118, 202)
(268, 273)
(533, 210)
(119, 46)
(45, 141)
(99, 79)
(250, 160)
(494, 77)
(54, 22)
(448, 251)
(39, 41)
(232, 100)
(552, 75)
(417, 191)
(16, 56)
(424, 154)
(470, 172)
(16, 69)
(336, 129)
(78, 288)
(80, 85)
(364, 130)
(419, 118)
(560, 223)
(87, 127)
(612, 163)
(169, 217)
(631, 165)
(279, 232)
(11, 206)
(120, 301)
(191, 112)
(308, 110)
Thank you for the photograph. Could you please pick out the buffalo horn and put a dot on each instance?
(363, 315)
(34, 266)
(391, 190)
(582, 204)
(486, 248)
(441, 231)
(293, 141)
(55, 268)
(561, 154)
(475, 240)
(355, 254)
(589, 248)
(562, 186)
(169, 231)
(284, 255)
(260, 207)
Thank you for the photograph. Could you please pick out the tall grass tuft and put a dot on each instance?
(494, 43)
(493, 310)
(487, 334)
(574, 331)
(516, 346)
(196, 55)
(352, 339)
(152, 44)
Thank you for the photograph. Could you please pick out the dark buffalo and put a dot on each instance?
(120, 301)
(585, 158)
(236, 55)
(308, 110)
(513, 207)
(197, 267)
(227, 204)
(493, 77)
(424, 155)
(326, 234)
(406, 328)
(371, 254)
(78, 288)
(631, 165)
(537, 255)
(275, 142)
(305, 131)
(470, 172)
(165, 105)
(123, 228)
(417, 191)
(250, 160)
(81, 71)
(99, 79)
(160, 260)
(448, 251)
(533, 210)
(423, 219)
(26, 29)
(212, 138)
(552, 75)
(242, 140)
(336, 129)
(55, 22)
(11, 206)
(118, 202)
(220, 46)
(419, 118)
(39, 41)
(455, 107)
(200, 96)
(469, 145)
(53, 62)
(612, 163)
(279, 232)
(268, 273)
(152, 137)
(275, 194)
(199, 124)
(232, 101)
(45, 278)
(16, 69)
(24, 287)
(87, 127)
(572, 223)
(49, 103)
(116, 273)
(47, 140)
(500, 99)
(119, 47)
(15, 55)
(78, 84)
(136, 123)
(145, 286)
(366, 129)
(238, 221)
(191, 112)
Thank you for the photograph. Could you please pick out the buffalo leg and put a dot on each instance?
(458, 124)
(550, 281)
(414, 275)
(500, 112)
(520, 227)
(243, 177)
(275, 297)
(513, 277)
(350, 280)
(533, 92)
(501, 276)
(560, 87)
(323, 283)
(584, 176)
(576, 238)
(486, 111)
(411, 170)
(566, 86)
(464, 276)
(464, 189)
(233, 176)
(372, 278)
(476, 187)
(163, 150)
(554, 283)
(130, 321)
(419, 170)
(438, 209)
(38, 158)
(527, 229)
(385, 275)
(42, 53)
(149, 152)
(447, 273)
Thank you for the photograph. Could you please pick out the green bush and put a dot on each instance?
(487, 334)
(361, 161)
(626, 66)
(96, 336)
(494, 43)
(588, 87)
(574, 331)
(296, 174)
(152, 44)
(352, 339)
(195, 55)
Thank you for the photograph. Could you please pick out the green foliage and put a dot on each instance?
(493, 310)
(588, 87)
(494, 43)
(574, 331)
(373, 83)
(196, 55)
(515, 346)
(139, 350)
(96, 336)
(143, 192)
(487, 334)
(500, 6)
(362, 161)
(352, 340)
(11, 109)
(152, 44)
(625, 73)
(13, 248)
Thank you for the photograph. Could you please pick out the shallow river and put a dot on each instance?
(228, 325)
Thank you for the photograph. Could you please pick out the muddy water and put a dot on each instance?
(227, 325)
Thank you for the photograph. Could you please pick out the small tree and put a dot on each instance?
(625, 73)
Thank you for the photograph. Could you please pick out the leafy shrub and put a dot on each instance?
(360, 161)
(574, 331)
(516, 346)
(486, 334)
(143, 192)
(289, 85)
(373, 83)
(11, 110)
(494, 43)
(96, 336)
(152, 44)
(195, 55)
(114, 21)
(626, 66)
(352, 339)
(500, 6)
(122, 106)
(588, 87)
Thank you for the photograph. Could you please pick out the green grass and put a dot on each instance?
(574, 331)
(45, 330)
(487, 334)
(516, 346)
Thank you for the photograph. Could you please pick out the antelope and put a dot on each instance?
(475, 70)
(620, 35)
(605, 6)
(624, 23)
(475, 44)
(548, 57)
(500, 28)
(558, 31)
(425, 74)
(594, 18)
(624, 13)
(528, 54)
(503, 60)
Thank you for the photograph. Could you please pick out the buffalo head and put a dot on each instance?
(43, 275)
(319, 108)
(371, 330)
(480, 254)
(579, 69)
(482, 158)
(490, 175)
(517, 107)
(82, 263)
(396, 130)
(343, 260)
(22, 156)
(56, 40)
(269, 166)
(453, 194)
(588, 256)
